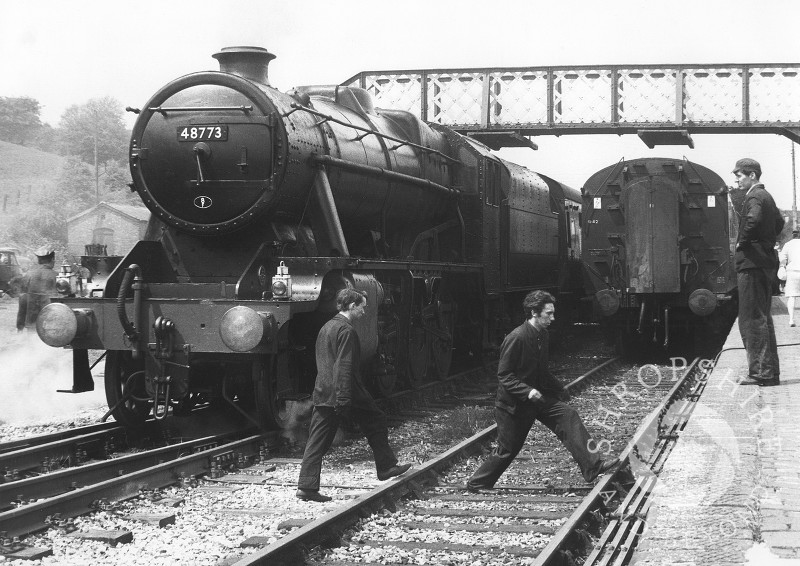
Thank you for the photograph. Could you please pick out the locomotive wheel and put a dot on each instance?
(384, 376)
(416, 359)
(626, 343)
(385, 381)
(440, 341)
(124, 377)
(270, 410)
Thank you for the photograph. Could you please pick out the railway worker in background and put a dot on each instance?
(38, 285)
(528, 392)
(790, 259)
(756, 272)
(17, 284)
(339, 393)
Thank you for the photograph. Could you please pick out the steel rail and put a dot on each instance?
(288, 550)
(580, 380)
(62, 481)
(73, 500)
(31, 457)
(551, 554)
(38, 440)
(31, 518)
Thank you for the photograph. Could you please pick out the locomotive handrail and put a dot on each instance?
(380, 172)
(164, 110)
(368, 131)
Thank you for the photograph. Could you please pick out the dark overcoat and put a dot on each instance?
(339, 366)
(523, 366)
(759, 226)
(39, 284)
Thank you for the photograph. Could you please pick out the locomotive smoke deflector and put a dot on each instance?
(251, 63)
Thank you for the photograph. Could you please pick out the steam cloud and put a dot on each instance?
(30, 373)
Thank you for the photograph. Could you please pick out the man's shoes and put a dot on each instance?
(762, 382)
(312, 495)
(477, 488)
(605, 467)
(393, 471)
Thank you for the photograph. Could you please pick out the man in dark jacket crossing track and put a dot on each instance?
(528, 392)
(339, 393)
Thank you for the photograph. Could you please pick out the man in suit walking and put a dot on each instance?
(339, 393)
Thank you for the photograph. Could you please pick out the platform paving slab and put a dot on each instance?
(729, 494)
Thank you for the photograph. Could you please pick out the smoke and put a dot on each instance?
(297, 418)
(30, 373)
(296, 421)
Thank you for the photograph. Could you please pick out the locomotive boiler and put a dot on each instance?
(658, 257)
(265, 204)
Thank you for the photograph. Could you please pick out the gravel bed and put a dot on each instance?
(36, 427)
(204, 533)
(544, 461)
(383, 529)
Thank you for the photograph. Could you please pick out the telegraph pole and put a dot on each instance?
(794, 192)
(97, 173)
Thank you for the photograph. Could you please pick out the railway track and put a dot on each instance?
(42, 454)
(66, 434)
(427, 499)
(544, 522)
(54, 479)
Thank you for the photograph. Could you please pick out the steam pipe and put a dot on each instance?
(640, 329)
(328, 213)
(131, 329)
(378, 173)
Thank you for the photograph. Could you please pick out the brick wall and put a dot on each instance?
(118, 231)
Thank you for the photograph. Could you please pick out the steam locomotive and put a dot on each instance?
(658, 239)
(265, 204)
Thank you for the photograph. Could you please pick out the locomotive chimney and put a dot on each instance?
(251, 63)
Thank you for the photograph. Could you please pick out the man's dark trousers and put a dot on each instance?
(755, 323)
(512, 430)
(22, 311)
(325, 423)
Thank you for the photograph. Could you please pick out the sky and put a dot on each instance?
(65, 53)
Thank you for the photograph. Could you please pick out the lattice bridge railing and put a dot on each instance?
(598, 99)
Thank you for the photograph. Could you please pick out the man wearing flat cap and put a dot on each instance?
(756, 270)
(38, 285)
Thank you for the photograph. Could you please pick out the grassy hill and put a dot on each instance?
(23, 173)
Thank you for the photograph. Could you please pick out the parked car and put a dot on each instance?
(9, 268)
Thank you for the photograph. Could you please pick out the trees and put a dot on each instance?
(43, 218)
(19, 119)
(95, 133)
(94, 139)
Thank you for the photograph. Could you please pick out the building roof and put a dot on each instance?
(140, 213)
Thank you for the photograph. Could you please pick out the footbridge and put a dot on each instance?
(663, 104)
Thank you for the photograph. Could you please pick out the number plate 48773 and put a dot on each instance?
(215, 132)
